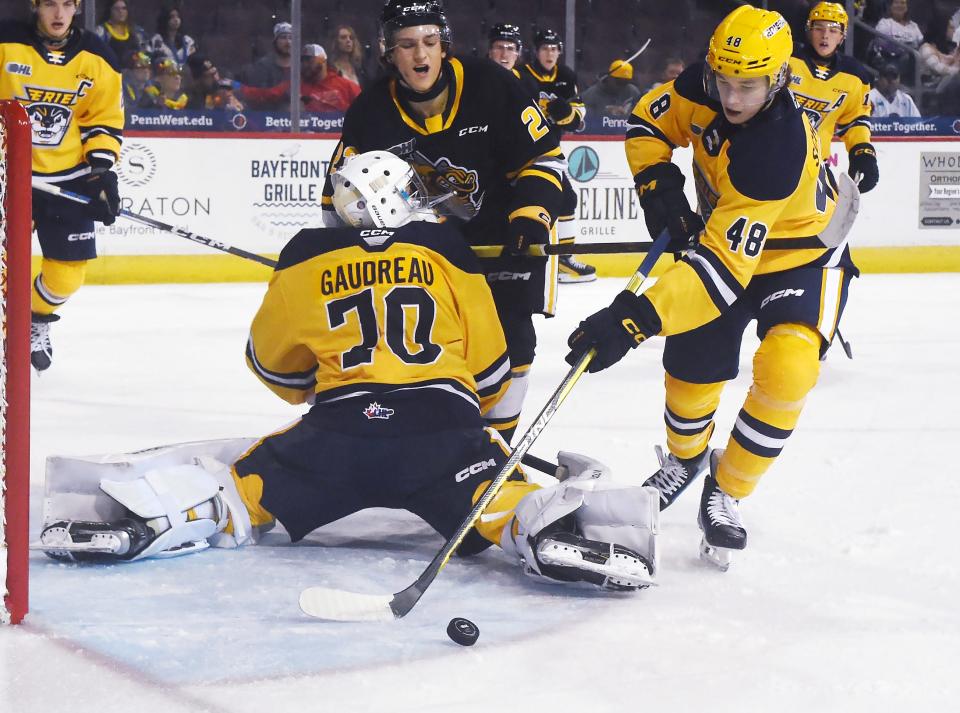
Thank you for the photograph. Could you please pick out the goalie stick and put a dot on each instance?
(340, 605)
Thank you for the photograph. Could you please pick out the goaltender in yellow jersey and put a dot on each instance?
(833, 88)
(69, 83)
(765, 196)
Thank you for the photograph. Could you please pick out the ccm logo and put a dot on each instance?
(474, 469)
(780, 293)
(507, 276)
(474, 130)
(375, 232)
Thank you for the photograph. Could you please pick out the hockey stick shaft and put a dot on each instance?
(586, 249)
(405, 600)
(55, 190)
(632, 57)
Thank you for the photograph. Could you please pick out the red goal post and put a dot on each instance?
(15, 226)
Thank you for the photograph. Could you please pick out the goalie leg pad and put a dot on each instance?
(182, 504)
(587, 530)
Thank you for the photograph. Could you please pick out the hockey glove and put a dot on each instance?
(522, 233)
(613, 331)
(559, 110)
(101, 187)
(660, 188)
(863, 167)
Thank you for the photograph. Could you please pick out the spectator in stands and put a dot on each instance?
(118, 30)
(320, 89)
(941, 60)
(272, 69)
(615, 94)
(165, 92)
(897, 25)
(672, 68)
(206, 79)
(346, 58)
(136, 77)
(170, 41)
(224, 98)
(887, 97)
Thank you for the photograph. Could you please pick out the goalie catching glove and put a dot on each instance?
(587, 529)
(665, 206)
(613, 331)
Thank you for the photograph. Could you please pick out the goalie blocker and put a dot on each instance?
(182, 499)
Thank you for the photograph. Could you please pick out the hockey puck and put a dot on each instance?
(463, 631)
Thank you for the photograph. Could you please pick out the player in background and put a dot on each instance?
(765, 195)
(388, 329)
(475, 137)
(505, 46)
(554, 87)
(833, 88)
(69, 82)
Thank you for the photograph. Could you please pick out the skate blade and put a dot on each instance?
(719, 557)
(58, 541)
(620, 569)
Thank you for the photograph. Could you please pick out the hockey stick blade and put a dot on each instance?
(339, 605)
(848, 205)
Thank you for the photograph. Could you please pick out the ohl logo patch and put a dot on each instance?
(584, 163)
(376, 411)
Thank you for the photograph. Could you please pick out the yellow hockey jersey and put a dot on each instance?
(73, 97)
(358, 311)
(763, 192)
(834, 94)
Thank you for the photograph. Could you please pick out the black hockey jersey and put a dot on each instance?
(362, 311)
(491, 147)
(560, 83)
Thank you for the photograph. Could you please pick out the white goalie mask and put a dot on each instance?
(377, 189)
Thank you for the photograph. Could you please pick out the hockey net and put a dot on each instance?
(15, 218)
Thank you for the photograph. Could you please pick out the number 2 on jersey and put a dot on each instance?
(399, 304)
(533, 120)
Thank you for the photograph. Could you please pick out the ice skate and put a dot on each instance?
(41, 351)
(572, 270)
(79, 541)
(572, 558)
(675, 475)
(719, 519)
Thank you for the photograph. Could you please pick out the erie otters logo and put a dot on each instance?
(49, 111)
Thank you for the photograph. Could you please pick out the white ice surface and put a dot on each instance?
(846, 600)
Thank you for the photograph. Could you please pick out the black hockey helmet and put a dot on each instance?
(397, 14)
(506, 32)
(547, 37)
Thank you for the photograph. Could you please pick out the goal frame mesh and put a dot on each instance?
(15, 227)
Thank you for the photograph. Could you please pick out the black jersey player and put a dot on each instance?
(473, 135)
(554, 87)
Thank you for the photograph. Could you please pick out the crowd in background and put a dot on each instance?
(910, 46)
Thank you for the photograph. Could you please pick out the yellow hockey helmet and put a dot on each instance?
(750, 42)
(828, 12)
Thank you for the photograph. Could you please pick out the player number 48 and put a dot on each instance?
(749, 238)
